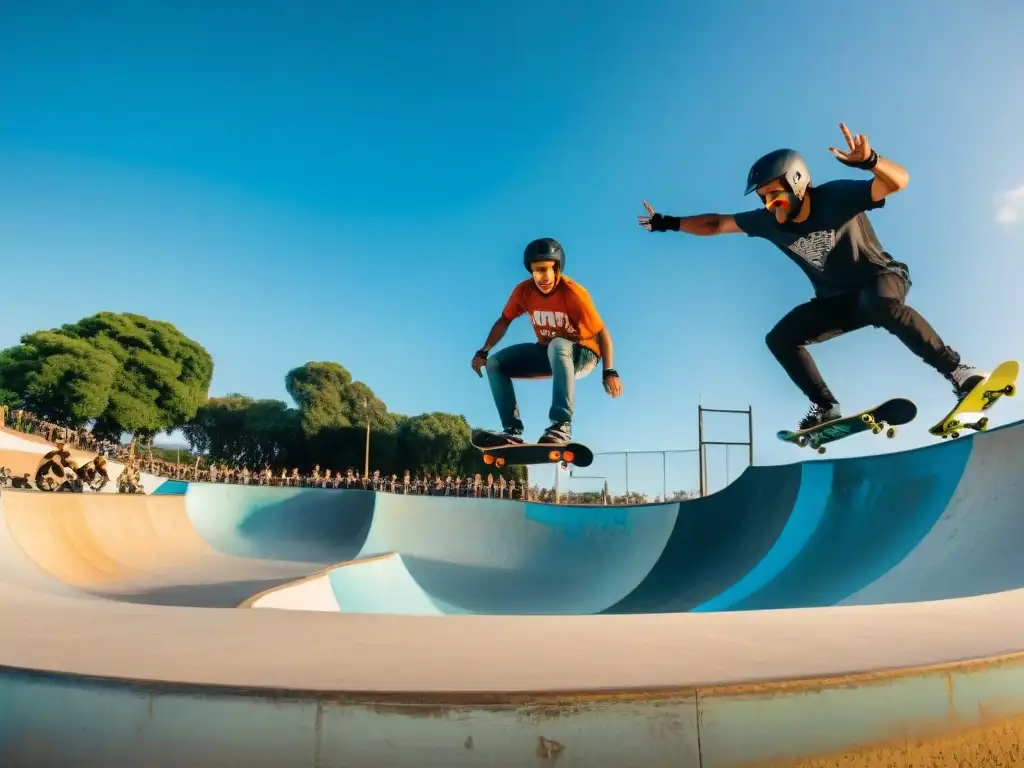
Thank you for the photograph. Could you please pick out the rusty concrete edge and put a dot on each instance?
(414, 700)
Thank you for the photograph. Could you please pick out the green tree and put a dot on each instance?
(328, 428)
(239, 430)
(328, 397)
(435, 442)
(123, 372)
(58, 377)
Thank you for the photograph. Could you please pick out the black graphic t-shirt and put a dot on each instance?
(836, 247)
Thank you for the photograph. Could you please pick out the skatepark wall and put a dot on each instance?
(887, 528)
(702, 672)
(793, 536)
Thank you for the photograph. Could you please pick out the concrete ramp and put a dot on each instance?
(512, 557)
(297, 524)
(380, 584)
(933, 523)
(128, 547)
(863, 611)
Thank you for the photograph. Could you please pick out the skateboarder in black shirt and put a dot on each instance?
(825, 231)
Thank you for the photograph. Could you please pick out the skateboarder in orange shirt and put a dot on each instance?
(571, 339)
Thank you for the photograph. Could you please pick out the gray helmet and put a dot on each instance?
(544, 249)
(785, 164)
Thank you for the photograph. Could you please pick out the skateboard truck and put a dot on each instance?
(989, 396)
(566, 457)
(876, 429)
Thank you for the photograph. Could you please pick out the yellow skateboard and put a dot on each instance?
(969, 412)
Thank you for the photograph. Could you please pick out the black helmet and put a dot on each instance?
(544, 249)
(785, 164)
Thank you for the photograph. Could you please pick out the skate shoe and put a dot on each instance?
(512, 436)
(964, 378)
(558, 432)
(819, 414)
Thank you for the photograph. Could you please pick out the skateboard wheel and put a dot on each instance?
(954, 435)
(802, 442)
(488, 459)
(565, 465)
(554, 455)
(890, 432)
(821, 449)
(1010, 390)
(567, 456)
(876, 429)
(500, 462)
(866, 418)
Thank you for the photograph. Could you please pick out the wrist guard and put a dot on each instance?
(609, 373)
(481, 353)
(662, 223)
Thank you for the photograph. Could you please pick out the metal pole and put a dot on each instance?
(366, 464)
(664, 476)
(700, 449)
(627, 476)
(750, 432)
(704, 453)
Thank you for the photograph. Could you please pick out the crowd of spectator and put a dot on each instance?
(411, 482)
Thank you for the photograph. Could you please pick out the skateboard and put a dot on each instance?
(1002, 381)
(882, 418)
(499, 452)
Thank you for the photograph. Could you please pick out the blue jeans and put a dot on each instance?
(560, 359)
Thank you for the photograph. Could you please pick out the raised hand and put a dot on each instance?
(645, 221)
(858, 150)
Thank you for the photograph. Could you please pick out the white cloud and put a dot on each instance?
(1010, 207)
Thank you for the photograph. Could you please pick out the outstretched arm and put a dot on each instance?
(498, 331)
(704, 224)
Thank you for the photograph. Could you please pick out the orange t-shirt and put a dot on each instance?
(567, 312)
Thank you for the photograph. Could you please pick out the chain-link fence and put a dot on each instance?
(650, 477)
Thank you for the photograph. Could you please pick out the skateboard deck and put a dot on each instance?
(884, 417)
(969, 412)
(500, 453)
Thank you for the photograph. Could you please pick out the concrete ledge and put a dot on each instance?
(963, 714)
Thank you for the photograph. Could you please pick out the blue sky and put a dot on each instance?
(335, 181)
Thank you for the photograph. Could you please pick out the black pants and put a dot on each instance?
(878, 303)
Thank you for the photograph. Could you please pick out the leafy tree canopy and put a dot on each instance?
(125, 373)
(120, 372)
